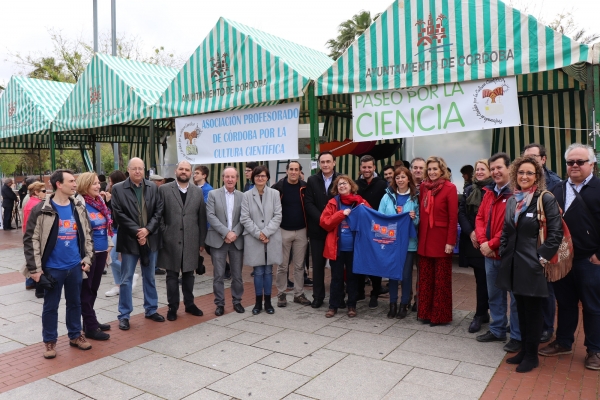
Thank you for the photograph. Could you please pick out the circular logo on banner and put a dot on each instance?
(487, 100)
(186, 140)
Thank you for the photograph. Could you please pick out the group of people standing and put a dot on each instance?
(417, 222)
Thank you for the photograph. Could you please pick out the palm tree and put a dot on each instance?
(349, 31)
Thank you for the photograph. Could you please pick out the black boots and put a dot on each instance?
(531, 360)
(477, 321)
(403, 311)
(258, 305)
(268, 307)
(393, 310)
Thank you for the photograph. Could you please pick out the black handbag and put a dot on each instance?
(46, 281)
(201, 269)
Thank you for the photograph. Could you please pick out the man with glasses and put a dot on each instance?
(137, 208)
(248, 174)
(538, 152)
(579, 198)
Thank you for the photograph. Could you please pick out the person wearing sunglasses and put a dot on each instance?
(579, 198)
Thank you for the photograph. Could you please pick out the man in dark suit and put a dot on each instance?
(224, 236)
(579, 198)
(318, 193)
(9, 198)
(137, 208)
(183, 228)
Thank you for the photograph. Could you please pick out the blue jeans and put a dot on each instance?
(115, 264)
(128, 263)
(263, 280)
(406, 281)
(29, 282)
(581, 284)
(71, 280)
(499, 305)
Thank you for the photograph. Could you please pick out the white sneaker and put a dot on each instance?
(134, 284)
(112, 292)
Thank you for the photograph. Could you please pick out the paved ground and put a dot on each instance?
(296, 353)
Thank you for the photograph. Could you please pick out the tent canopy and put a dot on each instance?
(416, 43)
(27, 109)
(237, 65)
(113, 92)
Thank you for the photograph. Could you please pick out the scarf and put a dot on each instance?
(433, 188)
(350, 199)
(98, 204)
(524, 198)
(474, 199)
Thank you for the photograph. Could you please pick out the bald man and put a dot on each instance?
(137, 208)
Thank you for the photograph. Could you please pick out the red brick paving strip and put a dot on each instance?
(26, 365)
(12, 278)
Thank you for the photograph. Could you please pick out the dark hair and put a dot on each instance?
(169, 180)
(325, 153)
(293, 161)
(353, 185)
(535, 145)
(251, 165)
(367, 158)
(540, 176)
(386, 167)
(258, 170)
(467, 170)
(498, 156)
(411, 183)
(203, 169)
(57, 176)
(102, 178)
(116, 177)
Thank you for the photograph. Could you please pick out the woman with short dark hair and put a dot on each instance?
(523, 258)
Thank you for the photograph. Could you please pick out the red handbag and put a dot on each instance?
(561, 263)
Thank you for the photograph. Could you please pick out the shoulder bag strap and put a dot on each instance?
(541, 216)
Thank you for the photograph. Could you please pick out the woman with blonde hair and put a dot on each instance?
(523, 257)
(469, 246)
(88, 188)
(438, 204)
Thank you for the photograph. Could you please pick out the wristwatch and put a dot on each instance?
(542, 260)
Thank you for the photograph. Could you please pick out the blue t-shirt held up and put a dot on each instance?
(65, 254)
(381, 242)
(99, 228)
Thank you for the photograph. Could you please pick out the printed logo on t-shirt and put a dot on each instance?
(399, 209)
(384, 234)
(67, 231)
(344, 226)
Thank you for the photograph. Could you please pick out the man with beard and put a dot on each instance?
(183, 227)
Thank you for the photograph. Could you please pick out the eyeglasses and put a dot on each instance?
(343, 184)
(248, 170)
(43, 190)
(534, 155)
(260, 176)
(528, 173)
(138, 169)
(570, 163)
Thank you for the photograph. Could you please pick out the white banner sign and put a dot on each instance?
(254, 134)
(431, 110)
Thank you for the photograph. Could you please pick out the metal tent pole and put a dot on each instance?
(152, 142)
(314, 122)
(98, 155)
(113, 24)
(52, 151)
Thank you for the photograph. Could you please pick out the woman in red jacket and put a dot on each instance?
(339, 243)
(438, 209)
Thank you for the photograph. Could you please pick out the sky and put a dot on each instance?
(181, 25)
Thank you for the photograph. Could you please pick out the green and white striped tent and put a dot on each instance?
(239, 66)
(113, 99)
(28, 108)
(416, 42)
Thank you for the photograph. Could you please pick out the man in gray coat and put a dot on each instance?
(225, 239)
(183, 227)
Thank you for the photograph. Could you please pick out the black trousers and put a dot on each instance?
(531, 320)
(375, 285)
(481, 291)
(8, 210)
(317, 247)
(187, 287)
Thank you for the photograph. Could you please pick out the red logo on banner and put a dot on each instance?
(12, 109)
(430, 32)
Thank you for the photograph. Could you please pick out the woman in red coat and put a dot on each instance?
(438, 208)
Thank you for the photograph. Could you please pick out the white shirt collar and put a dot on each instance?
(585, 181)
